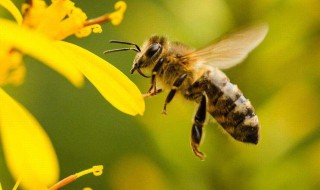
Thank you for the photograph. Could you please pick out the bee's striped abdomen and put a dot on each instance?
(231, 109)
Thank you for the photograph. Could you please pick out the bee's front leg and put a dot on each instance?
(153, 88)
(152, 93)
(196, 131)
(177, 83)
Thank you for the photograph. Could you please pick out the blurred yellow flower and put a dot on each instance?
(27, 149)
(38, 32)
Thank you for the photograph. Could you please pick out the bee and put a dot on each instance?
(197, 76)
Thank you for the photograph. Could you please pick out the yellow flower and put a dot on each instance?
(28, 151)
(42, 27)
(38, 32)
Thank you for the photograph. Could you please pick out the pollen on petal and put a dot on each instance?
(113, 85)
(28, 151)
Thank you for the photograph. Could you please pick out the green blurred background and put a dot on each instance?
(280, 77)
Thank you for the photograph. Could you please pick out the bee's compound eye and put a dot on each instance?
(153, 49)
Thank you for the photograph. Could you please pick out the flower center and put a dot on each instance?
(62, 19)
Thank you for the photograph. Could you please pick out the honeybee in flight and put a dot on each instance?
(197, 76)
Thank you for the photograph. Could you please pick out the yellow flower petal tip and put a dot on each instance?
(7, 4)
(113, 85)
(117, 16)
(141, 107)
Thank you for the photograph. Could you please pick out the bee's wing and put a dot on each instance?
(232, 49)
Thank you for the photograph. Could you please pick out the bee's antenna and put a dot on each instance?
(121, 49)
(128, 43)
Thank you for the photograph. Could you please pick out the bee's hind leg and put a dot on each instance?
(177, 83)
(196, 131)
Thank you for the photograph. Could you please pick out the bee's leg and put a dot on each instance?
(196, 131)
(153, 93)
(153, 88)
(177, 83)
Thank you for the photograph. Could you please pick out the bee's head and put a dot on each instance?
(147, 55)
(150, 53)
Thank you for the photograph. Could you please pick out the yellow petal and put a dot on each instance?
(7, 4)
(27, 148)
(39, 46)
(110, 82)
